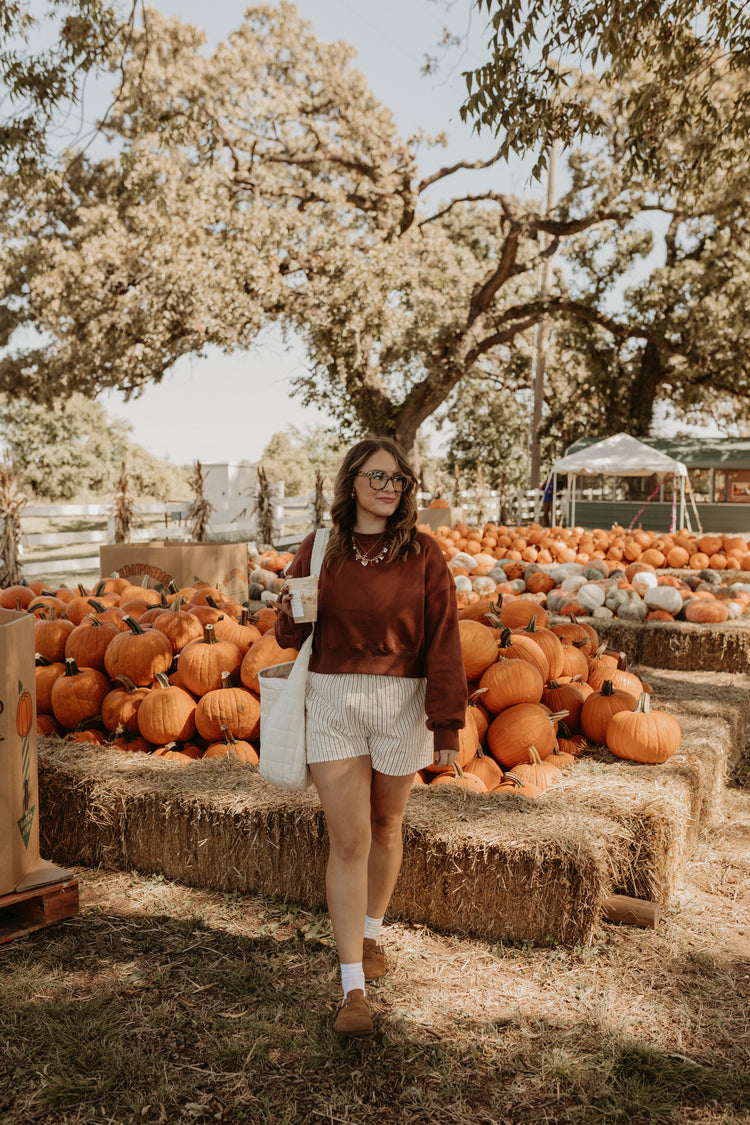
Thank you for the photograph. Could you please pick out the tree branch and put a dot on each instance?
(448, 171)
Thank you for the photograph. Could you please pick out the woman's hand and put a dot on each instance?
(445, 757)
(284, 601)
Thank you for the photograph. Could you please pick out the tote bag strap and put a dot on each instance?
(319, 550)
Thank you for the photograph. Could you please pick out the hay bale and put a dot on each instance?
(724, 647)
(490, 867)
(493, 867)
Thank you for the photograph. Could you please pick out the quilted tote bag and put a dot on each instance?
(283, 758)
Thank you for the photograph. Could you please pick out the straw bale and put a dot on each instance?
(724, 647)
(657, 811)
(491, 867)
(494, 867)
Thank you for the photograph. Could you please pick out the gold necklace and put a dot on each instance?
(363, 557)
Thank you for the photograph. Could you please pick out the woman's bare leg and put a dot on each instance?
(388, 799)
(344, 789)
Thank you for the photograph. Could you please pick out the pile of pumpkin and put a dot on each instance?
(175, 675)
(681, 550)
(540, 695)
(593, 584)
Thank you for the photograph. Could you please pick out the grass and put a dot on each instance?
(159, 1003)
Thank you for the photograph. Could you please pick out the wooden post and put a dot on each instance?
(632, 911)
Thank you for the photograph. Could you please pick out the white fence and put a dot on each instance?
(50, 552)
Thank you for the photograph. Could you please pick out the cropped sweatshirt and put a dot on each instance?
(392, 619)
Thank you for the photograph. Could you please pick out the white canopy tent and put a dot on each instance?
(624, 456)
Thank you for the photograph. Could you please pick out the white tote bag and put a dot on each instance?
(283, 759)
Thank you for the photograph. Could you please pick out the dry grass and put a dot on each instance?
(161, 1003)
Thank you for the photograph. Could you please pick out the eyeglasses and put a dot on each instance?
(378, 480)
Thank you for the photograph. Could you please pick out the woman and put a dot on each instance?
(386, 651)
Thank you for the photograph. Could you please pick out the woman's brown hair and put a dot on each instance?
(401, 527)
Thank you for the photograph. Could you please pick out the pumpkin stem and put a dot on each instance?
(557, 715)
(209, 635)
(126, 682)
(99, 607)
(41, 661)
(173, 587)
(607, 688)
(644, 703)
(133, 625)
(226, 680)
(531, 626)
(517, 781)
(162, 681)
(71, 668)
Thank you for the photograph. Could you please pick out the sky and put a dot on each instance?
(392, 38)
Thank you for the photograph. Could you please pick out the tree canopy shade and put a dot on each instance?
(530, 91)
(39, 82)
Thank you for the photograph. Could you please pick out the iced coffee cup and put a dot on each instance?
(304, 593)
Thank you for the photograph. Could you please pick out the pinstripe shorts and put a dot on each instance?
(349, 715)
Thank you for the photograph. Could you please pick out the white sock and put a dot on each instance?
(352, 976)
(372, 927)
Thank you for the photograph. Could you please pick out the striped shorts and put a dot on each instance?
(348, 715)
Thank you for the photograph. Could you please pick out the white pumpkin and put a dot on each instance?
(591, 596)
(483, 585)
(484, 560)
(633, 611)
(461, 558)
(644, 580)
(664, 597)
(573, 583)
(463, 583)
(556, 599)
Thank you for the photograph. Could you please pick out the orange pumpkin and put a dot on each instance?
(139, 654)
(507, 682)
(201, 662)
(235, 709)
(478, 647)
(167, 713)
(599, 708)
(456, 776)
(643, 735)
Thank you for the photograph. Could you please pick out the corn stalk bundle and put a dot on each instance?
(480, 497)
(124, 508)
(456, 499)
(263, 508)
(12, 503)
(201, 508)
(320, 504)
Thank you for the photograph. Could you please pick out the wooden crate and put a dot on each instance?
(40, 906)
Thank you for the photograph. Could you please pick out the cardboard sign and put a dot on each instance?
(440, 517)
(19, 792)
(157, 564)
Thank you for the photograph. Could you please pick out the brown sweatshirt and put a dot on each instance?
(392, 619)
